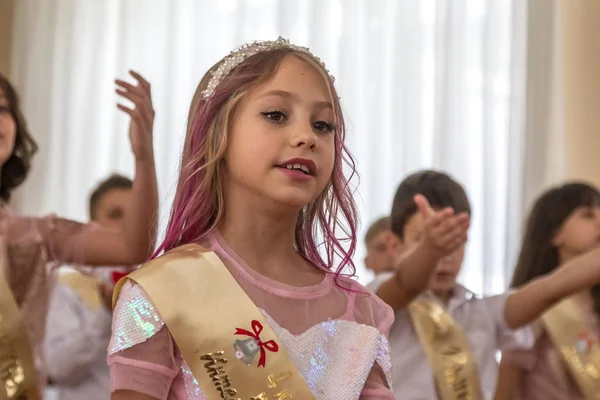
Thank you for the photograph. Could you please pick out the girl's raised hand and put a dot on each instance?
(142, 116)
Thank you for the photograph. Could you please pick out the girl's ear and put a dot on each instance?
(367, 262)
(394, 243)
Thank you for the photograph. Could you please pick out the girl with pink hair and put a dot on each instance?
(262, 177)
(245, 303)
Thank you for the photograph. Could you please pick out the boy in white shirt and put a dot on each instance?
(80, 317)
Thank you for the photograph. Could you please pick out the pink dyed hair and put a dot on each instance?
(198, 205)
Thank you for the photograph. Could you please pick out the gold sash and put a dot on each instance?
(18, 376)
(448, 351)
(217, 328)
(85, 287)
(579, 350)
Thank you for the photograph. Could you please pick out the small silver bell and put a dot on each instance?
(246, 350)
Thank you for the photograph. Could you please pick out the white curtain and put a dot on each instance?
(428, 83)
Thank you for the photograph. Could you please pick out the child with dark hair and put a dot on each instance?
(107, 200)
(564, 223)
(444, 344)
(32, 246)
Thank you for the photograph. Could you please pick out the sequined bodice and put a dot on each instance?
(327, 353)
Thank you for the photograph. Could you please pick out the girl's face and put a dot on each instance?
(8, 129)
(579, 233)
(281, 145)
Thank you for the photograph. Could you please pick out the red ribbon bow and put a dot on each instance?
(269, 345)
(116, 276)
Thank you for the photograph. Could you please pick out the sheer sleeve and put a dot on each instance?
(63, 239)
(376, 386)
(141, 354)
(368, 309)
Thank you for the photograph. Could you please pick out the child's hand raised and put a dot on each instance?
(444, 231)
(142, 116)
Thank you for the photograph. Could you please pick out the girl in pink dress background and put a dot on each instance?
(33, 246)
(262, 177)
(563, 224)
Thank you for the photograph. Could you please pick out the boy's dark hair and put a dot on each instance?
(538, 256)
(16, 168)
(380, 225)
(115, 181)
(438, 188)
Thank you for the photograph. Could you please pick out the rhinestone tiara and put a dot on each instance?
(236, 57)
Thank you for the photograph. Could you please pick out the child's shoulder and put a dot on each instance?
(462, 293)
(366, 307)
(352, 284)
(490, 299)
(379, 279)
(488, 307)
(135, 319)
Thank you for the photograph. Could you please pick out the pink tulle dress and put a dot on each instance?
(545, 375)
(34, 247)
(337, 338)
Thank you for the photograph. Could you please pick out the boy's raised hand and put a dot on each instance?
(444, 230)
(443, 233)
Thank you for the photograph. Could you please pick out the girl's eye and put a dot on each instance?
(323, 127)
(274, 116)
(117, 213)
(4, 109)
